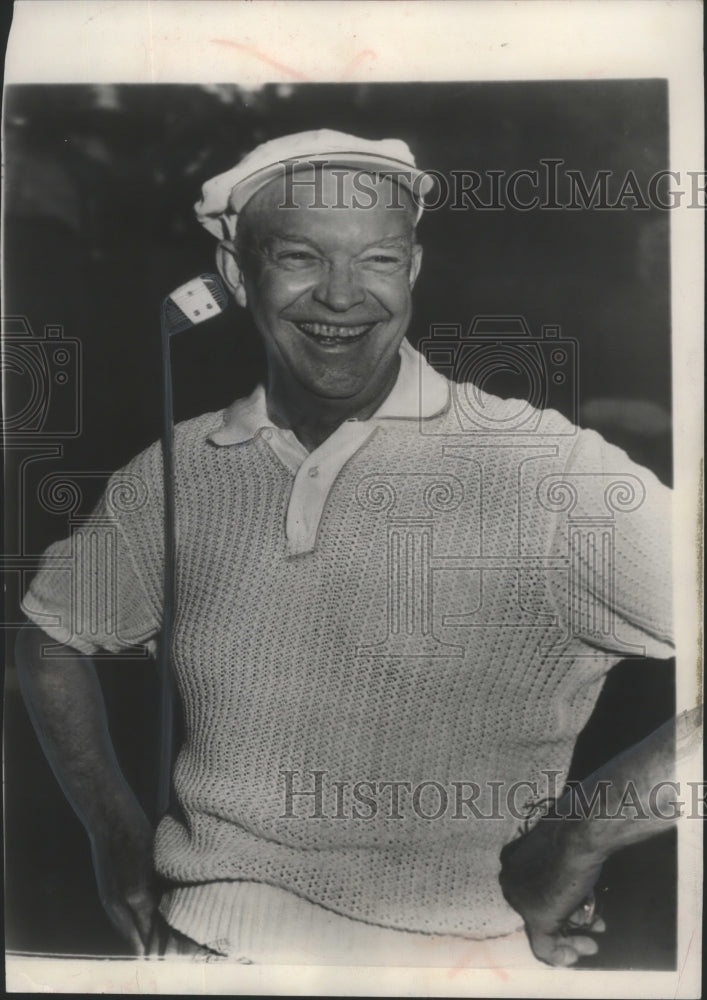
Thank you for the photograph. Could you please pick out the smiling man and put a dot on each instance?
(377, 642)
(329, 290)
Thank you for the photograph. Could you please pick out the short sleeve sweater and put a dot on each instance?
(369, 718)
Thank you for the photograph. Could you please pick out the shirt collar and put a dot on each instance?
(419, 392)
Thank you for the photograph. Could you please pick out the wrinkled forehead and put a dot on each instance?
(337, 197)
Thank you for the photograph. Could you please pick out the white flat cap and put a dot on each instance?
(225, 195)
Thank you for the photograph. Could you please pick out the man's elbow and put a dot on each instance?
(37, 653)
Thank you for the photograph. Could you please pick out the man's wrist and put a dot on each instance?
(114, 814)
(583, 838)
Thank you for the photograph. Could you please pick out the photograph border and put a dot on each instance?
(187, 41)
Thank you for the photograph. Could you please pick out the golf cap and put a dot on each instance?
(225, 195)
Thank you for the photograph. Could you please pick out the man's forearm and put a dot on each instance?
(66, 705)
(65, 702)
(632, 797)
(549, 873)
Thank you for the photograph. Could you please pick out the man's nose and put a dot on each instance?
(339, 288)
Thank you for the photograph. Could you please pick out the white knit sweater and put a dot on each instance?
(452, 622)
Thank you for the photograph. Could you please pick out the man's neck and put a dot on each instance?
(314, 418)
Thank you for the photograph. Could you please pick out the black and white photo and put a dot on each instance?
(345, 605)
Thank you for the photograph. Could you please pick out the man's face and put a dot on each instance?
(330, 287)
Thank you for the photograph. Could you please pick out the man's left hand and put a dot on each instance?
(550, 885)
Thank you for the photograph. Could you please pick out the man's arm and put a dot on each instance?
(547, 875)
(65, 703)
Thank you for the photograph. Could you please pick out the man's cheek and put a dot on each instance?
(280, 289)
(393, 295)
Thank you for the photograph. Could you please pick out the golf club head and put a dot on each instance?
(200, 299)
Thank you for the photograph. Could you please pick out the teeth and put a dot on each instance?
(331, 332)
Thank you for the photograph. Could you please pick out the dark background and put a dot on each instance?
(99, 228)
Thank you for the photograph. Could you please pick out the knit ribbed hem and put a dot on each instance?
(256, 922)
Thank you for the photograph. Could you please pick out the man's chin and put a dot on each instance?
(331, 393)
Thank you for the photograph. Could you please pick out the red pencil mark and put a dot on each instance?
(289, 70)
(472, 952)
(252, 51)
(682, 967)
(357, 59)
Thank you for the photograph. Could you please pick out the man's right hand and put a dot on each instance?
(122, 862)
(65, 703)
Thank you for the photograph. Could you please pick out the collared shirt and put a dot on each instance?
(419, 393)
(454, 614)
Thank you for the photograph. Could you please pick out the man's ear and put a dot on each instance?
(230, 271)
(415, 263)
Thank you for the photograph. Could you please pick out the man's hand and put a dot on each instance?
(549, 874)
(65, 703)
(122, 862)
(549, 882)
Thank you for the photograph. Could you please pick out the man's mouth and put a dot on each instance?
(332, 334)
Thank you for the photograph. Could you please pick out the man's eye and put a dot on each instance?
(293, 257)
(383, 261)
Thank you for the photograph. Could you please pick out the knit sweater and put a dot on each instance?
(442, 637)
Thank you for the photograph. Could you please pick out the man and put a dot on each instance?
(384, 626)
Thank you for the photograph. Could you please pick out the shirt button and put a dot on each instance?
(314, 471)
(267, 433)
